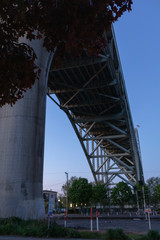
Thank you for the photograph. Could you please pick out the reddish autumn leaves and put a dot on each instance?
(69, 25)
(17, 72)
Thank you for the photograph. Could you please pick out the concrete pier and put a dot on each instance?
(22, 130)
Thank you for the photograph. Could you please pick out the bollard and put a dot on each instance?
(48, 221)
(91, 221)
(149, 221)
(146, 216)
(65, 219)
(97, 220)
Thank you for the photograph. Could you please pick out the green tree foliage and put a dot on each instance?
(70, 182)
(61, 201)
(152, 183)
(147, 194)
(69, 25)
(121, 194)
(99, 194)
(156, 195)
(138, 191)
(80, 192)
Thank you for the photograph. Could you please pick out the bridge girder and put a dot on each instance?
(92, 92)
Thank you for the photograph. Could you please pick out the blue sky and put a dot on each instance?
(138, 40)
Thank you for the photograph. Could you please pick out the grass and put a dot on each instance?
(151, 235)
(37, 228)
(16, 226)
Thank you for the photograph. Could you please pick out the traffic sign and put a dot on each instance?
(148, 210)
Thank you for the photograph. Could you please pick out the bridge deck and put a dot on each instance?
(92, 92)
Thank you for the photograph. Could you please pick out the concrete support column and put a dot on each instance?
(22, 147)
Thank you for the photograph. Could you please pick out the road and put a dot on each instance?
(134, 225)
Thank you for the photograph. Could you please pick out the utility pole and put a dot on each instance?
(67, 194)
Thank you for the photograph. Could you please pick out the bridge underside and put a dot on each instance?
(91, 91)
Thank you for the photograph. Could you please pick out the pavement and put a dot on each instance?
(106, 216)
(32, 238)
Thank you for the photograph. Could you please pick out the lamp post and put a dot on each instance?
(144, 199)
(67, 193)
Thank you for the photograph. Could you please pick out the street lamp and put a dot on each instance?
(67, 193)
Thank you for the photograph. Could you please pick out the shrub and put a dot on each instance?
(16, 226)
(142, 238)
(72, 233)
(10, 225)
(34, 228)
(115, 234)
(91, 235)
(57, 231)
(153, 235)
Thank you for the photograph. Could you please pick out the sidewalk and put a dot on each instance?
(104, 216)
(33, 238)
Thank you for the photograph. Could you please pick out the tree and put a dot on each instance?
(156, 195)
(65, 188)
(141, 191)
(99, 194)
(152, 183)
(65, 25)
(61, 201)
(80, 192)
(121, 194)
(70, 182)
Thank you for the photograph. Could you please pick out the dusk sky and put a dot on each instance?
(138, 39)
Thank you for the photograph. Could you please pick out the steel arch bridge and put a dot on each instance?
(92, 92)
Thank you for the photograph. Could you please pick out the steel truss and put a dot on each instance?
(91, 91)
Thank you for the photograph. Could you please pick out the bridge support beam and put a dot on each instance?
(22, 147)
